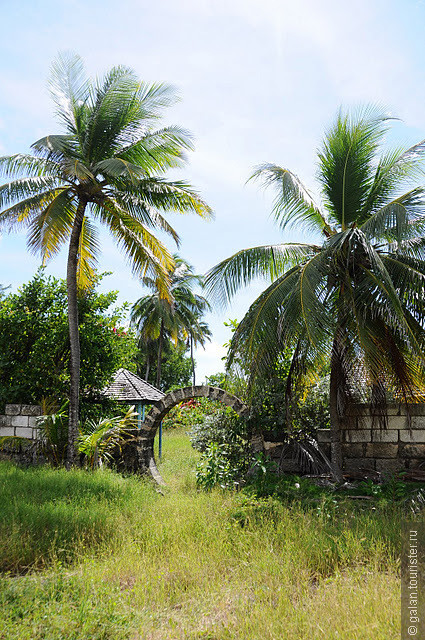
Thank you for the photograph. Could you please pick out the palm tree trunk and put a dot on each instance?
(74, 337)
(148, 366)
(158, 368)
(336, 380)
(192, 359)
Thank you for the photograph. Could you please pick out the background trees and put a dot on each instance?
(34, 343)
(107, 166)
(356, 299)
(174, 319)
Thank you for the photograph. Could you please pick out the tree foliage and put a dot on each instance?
(107, 165)
(34, 342)
(353, 300)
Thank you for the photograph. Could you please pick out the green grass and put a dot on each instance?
(99, 556)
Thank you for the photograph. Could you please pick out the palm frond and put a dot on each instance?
(69, 89)
(293, 203)
(166, 195)
(346, 163)
(270, 261)
(146, 254)
(28, 166)
(50, 229)
(24, 211)
(397, 220)
(88, 252)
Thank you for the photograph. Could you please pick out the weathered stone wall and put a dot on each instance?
(20, 420)
(365, 445)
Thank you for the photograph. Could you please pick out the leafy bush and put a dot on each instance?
(34, 342)
(223, 440)
(216, 467)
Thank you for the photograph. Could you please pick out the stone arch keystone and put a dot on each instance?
(147, 464)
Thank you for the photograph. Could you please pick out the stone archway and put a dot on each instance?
(147, 464)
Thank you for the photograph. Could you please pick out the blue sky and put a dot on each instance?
(259, 81)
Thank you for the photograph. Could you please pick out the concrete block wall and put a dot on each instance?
(367, 446)
(20, 420)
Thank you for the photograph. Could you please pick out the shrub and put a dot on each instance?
(34, 343)
(223, 440)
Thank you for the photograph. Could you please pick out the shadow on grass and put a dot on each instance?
(50, 515)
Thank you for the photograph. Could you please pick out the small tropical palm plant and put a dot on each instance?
(99, 439)
(107, 166)
(355, 300)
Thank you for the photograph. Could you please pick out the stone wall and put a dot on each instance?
(367, 446)
(20, 420)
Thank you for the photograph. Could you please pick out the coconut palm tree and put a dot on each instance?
(355, 300)
(107, 166)
(176, 317)
(199, 333)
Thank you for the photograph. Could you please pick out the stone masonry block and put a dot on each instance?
(13, 409)
(397, 422)
(23, 432)
(390, 465)
(36, 435)
(417, 422)
(19, 421)
(323, 435)
(7, 431)
(350, 422)
(394, 410)
(357, 464)
(416, 463)
(412, 451)
(417, 435)
(381, 450)
(203, 393)
(30, 410)
(358, 410)
(385, 435)
(214, 394)
(414, 409)
(178, 394)
(3, 421)
(353, 450)
(33, 421)
(359, 435)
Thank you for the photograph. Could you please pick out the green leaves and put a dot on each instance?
(357, 300)
(270, 261)
(293, 203)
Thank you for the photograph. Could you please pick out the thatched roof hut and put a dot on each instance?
(128, 387)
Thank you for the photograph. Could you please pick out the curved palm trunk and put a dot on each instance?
(192, 359)
(158, 368)
(74, 337)
(148, 366)
(336, 380)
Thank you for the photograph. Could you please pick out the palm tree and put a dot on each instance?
(355, 300)
(175, 318)
(199, 333)
(106, 167)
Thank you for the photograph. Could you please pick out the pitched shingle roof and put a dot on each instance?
(127, 387)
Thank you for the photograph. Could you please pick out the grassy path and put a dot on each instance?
(98, 556)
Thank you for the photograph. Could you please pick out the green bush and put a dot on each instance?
(223, 440)
(34, 343)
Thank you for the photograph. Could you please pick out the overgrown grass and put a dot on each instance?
(99, 556)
